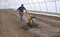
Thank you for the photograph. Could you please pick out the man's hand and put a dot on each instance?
(26, 13)
(18, 10)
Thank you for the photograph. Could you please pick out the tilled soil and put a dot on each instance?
(10, 26)
(51, 20)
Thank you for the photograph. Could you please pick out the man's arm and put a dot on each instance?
(18, 10)
(25, 10)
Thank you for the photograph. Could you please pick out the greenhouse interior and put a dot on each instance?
(29, 18)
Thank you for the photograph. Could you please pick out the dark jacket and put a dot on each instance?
(21, 9)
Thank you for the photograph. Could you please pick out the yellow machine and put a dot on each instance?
(30, 24)
(29, 20)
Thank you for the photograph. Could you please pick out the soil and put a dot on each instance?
(10, 25)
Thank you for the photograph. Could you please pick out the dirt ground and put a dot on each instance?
(53, 21)
(10, 26)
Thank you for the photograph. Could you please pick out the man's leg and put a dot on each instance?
(21, 17)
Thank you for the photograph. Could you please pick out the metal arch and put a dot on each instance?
(33, 4)
(51, 1)
(29, 3)
(27, 6)
(46, 5)
(39, 5)
(55, 6)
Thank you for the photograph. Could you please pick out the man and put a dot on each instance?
(21, 12)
